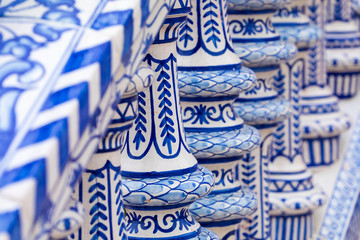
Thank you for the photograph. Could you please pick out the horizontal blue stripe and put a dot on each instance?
(178, 237)
(220, 224)
(246, 40)
(213, 129)
(223, 191)
(208, 99)
(210, 68)
(250, 12)
(153, 208)
(154, 174)
(219, 160)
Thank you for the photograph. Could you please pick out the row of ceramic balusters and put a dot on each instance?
(240, 169)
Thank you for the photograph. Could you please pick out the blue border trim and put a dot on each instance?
(154, 174)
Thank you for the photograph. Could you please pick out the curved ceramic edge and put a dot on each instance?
(303, 36)
(290, 204)
(142, 79)
(165, 191)
(70, 221)
(212, 145)
(253, 5)
(329, 125)
(224, 207)
(206, 234)
(263, 112)
(265, 53)
(215, 83)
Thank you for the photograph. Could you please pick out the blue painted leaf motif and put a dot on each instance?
(185, 30)
(212, 32)
(166, 123)
(140, 121)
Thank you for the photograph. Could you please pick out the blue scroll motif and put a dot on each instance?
(205, 114)
(252, 26)
(181, 220)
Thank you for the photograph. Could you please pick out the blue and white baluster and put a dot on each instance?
(210, 79)
(342, 49)
(321, 121)
(259, 46)
(161, 178)
(100, 188)
(293, 197)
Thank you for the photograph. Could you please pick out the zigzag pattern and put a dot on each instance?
(71, 120)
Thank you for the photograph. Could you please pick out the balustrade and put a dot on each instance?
(210, 79)
(210, 148)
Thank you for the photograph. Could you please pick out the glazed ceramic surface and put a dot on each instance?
(259, 45)
(210, 79)
(64, 64)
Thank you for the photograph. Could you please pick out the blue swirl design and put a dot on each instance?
(204, 114)
(251, 26)
(180, 220)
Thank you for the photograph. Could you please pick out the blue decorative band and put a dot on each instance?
(250, 12)
(208, 99)
(266, 69)
(162, 41)
(223, 191)
(289, 24)
(218, 160)
(211, 68)
(130, 174)
(286, 173)
(264, 126)
(245, 40)
(178, 237)
(183, 10)
(253, 99)
(155, 208)
(220, 224)
(175, 20)
(213, 129)
(129, 99)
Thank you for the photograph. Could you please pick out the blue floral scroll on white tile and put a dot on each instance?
(60, 61)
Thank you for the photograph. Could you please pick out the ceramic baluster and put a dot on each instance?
(293, 197)
(100, 188)
(321, 121)
(259, 46)
(161, 178)
(342, 49)
(210, 79)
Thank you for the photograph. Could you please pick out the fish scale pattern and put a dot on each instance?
(263, 112)
(205, 145)
(164, 191)
(259, 54)
(215, 83)
(224, 207)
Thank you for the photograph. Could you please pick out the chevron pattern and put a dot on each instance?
(41, 166)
